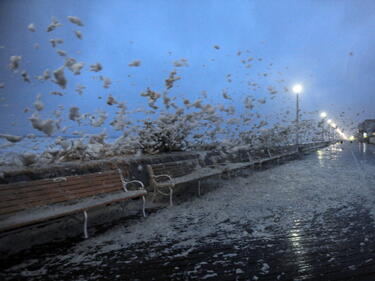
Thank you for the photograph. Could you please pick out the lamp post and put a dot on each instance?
(334, 126)
(323, 115)
(329, 121)
(297, 89)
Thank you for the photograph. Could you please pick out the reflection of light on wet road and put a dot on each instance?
(336, 148)
(320, 154)
(295, 239)
(330, 153)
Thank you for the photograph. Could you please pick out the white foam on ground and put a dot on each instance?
(277, 197)
(242, 208)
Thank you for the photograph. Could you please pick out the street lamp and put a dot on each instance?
(297, 89)
(329, 121)
(323, 115)
(334, 126)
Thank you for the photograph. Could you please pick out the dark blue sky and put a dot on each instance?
(306, 41)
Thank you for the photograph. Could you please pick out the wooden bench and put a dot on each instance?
(26, 203)
(165, 176)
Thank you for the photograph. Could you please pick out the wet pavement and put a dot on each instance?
(334, 243)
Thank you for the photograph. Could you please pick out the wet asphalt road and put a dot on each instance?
(339, 247)
(362, 152)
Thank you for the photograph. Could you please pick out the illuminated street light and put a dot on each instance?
(334, 126)
(297, 89)
(329, 121)
(323, 115)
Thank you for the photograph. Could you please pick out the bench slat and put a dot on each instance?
(40, 201)
(50, 212)
(175, 169)
(56, 186)
(51, 185)
(45, 197)
(70, 179)
(20, 207)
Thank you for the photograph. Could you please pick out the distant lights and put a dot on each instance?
(334, 126)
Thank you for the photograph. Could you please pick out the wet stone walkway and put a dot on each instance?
(331, 237)
(341, 249)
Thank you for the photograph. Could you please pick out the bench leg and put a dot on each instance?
(144, 206)
(199, 188)
(85, 225)
(154, 194)
(170, 196)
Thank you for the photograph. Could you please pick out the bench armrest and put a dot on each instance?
(163, 176)
(142, 186)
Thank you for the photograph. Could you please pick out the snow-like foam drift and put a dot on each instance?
(250, 207)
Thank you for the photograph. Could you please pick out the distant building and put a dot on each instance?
(366, 130)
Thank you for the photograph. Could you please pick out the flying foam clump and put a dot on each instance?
(106, 81)
(45, 76)
(74, 114)
(14, 62)
(38, 104)
(74, 66)
(53, 25)
(25, 76)
(79, 89)
(60, 77)
(56, 41)
(96, 67)
(31, 27)
(78, 34)
(45, 126)
(75, 20)
(11, 138)
(135, 63)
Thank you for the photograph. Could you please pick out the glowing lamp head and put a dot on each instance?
(329, 121)
(323, 115)
(297, 89)
(333, 125)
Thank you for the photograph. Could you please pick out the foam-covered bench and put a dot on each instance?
(165, 176)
